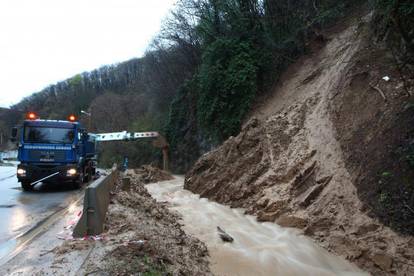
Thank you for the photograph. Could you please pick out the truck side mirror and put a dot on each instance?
(13, 134)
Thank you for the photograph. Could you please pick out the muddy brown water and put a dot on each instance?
(258, 248)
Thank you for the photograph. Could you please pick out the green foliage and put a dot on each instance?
(394, 191)
(386, 174)
(395, 19)
(181, 113)
(405, 8)
(410, 159)
(147, 121)
(383, 198)
(107, 156)
(227, 80)
(408, 155)
(76, 80)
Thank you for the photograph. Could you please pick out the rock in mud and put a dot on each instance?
(126, 184)
(292, 221)
(382, 260)
(311, 195)
(264, 216)
(224, 236)
(366, 228)
(149, 174)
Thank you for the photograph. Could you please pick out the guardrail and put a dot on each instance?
(95, 206)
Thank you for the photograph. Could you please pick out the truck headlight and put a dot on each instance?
(21, 172)
(71, 172)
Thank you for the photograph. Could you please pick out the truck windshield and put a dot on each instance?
(48, 135)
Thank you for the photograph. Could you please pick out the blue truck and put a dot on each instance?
(54, 151)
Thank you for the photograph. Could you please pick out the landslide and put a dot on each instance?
(310, 154)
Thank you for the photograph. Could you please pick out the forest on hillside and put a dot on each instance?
(204, 70)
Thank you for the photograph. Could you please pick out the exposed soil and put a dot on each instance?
(378, 151)
(303, 159)
(143, 237)
(149, 174)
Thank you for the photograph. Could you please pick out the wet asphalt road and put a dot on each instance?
(21, 211)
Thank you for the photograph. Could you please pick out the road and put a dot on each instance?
(21, 211)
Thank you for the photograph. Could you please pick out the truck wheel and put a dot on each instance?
(26, 186)
(86, 176)
(76, 184)
(89, 172)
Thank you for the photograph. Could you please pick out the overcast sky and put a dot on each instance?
(45, 41)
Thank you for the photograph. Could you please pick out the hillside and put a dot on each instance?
(328, 151)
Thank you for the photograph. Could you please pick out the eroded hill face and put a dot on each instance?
(291, 163)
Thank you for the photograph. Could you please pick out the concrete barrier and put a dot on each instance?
(95, 206)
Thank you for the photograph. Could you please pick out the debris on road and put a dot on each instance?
(149, 174)
(126, 184)
(142, 236)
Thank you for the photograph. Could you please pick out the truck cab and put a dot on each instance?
(54, 151)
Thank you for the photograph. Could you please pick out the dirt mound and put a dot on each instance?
(149, 174)
(156, 243)
(142, 236)
(287, 165)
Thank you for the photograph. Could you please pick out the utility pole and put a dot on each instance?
(89, 114)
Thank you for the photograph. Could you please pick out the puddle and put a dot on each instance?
(7, 206)
(7, 177)
(258, 248)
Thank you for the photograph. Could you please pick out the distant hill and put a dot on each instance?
(134, 95)
(128, 89)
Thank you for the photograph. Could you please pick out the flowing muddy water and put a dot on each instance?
(258, 248)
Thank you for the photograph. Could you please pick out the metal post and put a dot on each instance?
(89, 119)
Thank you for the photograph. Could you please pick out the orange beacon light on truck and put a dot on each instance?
(72, 118)
(31, 116)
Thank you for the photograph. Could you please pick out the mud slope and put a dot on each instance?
(287, 165)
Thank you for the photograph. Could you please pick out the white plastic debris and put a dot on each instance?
(386, 78)
(138, 242)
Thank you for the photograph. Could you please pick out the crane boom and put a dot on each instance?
(159, 142)
(124, 136)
